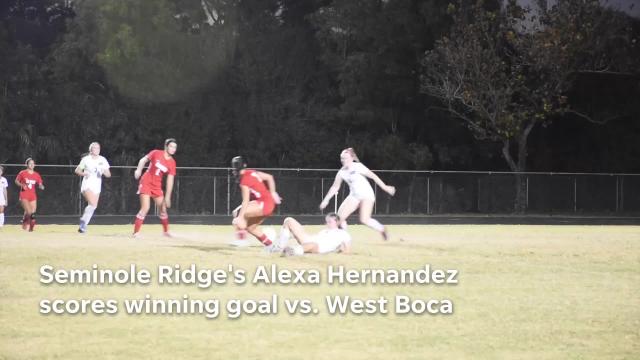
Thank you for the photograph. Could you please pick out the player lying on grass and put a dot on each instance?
(330, 239)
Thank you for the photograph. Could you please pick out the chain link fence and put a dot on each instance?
(214, 191)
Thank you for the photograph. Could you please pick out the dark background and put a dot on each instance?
(273, 80)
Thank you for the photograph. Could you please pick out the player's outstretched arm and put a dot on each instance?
(271, 184)
(240, 221)
(80, 169)
(141, 163)
(168, 191)
(106, 172)
(333, 190)
(388, 189)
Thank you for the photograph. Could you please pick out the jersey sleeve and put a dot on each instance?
(83, 163)
(106, 163)
(172, 168)
(361, 168)
(3, 183)
(20, 177)
(39, 179)
(244, 178)
(151, 155)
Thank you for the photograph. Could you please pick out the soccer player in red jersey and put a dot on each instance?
(161, 163)
(258, 200)
(27, 180)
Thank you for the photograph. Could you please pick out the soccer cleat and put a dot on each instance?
(136, 235)
(83, 227)
(385, 234)
(273, 249)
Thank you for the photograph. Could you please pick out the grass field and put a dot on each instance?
(524, 292)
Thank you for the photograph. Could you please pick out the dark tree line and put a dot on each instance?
(291, 82)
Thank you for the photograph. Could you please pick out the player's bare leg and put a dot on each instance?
(366, 209)
(348, 206)
(163, 215)
(27, 213)
(92, 204)
(145, 204)
(253, 227)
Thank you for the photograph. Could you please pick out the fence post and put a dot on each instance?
(428, 195)
(214, 195)
(527, 201)
(228, 192)
(617, 193)
(575, 194)
(321, 192)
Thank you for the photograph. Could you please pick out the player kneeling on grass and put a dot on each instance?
(259, 200)
(328, 240)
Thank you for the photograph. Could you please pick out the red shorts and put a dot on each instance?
(267, 206)
(145, 188)
(29, 196)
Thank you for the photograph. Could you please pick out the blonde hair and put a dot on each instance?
(92, 145)
(352, 153)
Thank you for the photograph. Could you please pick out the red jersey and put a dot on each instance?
(158, 167)
(31, 181)
(259, 190)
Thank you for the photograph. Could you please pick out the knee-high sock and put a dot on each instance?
(374, 224)
(164, 219)
(1, 219)
(88, 213)
(32, 222)
(138, 223)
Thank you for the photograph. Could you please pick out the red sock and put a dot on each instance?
(241, 234)
(264, 240)
(165, 223)
(32, 224)
(138, 223)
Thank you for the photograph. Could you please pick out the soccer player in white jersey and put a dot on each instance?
(92, 168)
(361, 195)
(4, 199)
(328, 240)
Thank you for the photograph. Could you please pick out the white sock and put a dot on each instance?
(1, 219)
(88, 213)
(374, 224)
(285, 234)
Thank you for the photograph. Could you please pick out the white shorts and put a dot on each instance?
(326, 244)
(93, 185)
(365, 195)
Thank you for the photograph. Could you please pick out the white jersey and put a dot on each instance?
(329, 240)
(3, 185)
(95, 167)
(359, 186)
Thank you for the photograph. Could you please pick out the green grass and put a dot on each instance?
(525, 292)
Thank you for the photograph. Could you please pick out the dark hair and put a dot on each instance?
(169, 141)
(1, 168)
(334, 216)
(26, 162)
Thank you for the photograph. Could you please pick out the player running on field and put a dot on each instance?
(27, 180)
(161, 163)
(92, 168)
(258, 200)
(361, 195)
(330, 239)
